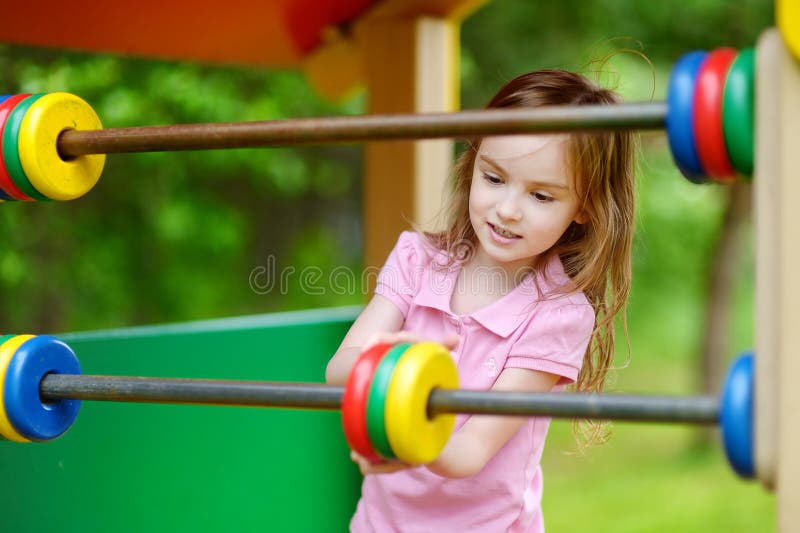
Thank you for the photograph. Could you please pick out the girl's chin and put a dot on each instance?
(501, 255)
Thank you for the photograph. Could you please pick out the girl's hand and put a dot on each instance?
(387, 467)
(384, 467)
(405, 336)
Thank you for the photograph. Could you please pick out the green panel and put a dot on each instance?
(151, 467)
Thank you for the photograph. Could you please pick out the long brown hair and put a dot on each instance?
(596, 254)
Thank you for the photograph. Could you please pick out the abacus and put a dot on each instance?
(53, 148)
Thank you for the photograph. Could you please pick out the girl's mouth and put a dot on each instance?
(504, 232)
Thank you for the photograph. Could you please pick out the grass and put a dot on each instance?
(649, 478)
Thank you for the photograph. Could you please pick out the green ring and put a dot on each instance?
(11, 152)
(376, 401)
(4, 338)
(737, 112)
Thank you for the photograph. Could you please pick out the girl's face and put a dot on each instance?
(522, 198)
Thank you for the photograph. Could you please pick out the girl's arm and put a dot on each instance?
(481, 437)
(380, 315)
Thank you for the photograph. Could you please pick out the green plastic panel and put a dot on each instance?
(128, 467)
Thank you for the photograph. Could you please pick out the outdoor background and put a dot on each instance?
(176, 236)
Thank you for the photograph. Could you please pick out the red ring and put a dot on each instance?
(6, 183)
(707, 119)
(354, 401)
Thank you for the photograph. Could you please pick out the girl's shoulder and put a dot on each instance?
(558, 293)
(415, 250)
(406, 270)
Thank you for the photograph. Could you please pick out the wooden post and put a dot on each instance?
(411, 65)
(777, 280)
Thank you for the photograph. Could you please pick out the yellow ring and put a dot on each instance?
(413, 436)
(7, 351)
(44, 121)
(787, 13)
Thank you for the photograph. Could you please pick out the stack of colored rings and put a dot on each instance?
(31, 167)
(710, 117)
(385, 402)
(24, 361)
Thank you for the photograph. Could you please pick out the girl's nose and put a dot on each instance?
(508, 208)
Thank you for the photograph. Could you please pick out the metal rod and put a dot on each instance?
(192, 391)
(638, 408)
(463, 124)
(690, 410)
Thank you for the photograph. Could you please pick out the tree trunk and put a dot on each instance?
(725, 262)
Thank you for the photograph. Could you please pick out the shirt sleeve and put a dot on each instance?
(400, 278)
(555, 340)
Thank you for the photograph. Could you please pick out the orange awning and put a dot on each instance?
(250, 32)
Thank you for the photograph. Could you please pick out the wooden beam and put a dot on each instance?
(777, 282)
(766, 191)
(336, 68)
(456, 10)
(411, 65)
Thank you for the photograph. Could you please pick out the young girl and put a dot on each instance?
(522, 287)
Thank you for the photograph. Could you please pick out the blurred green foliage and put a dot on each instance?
(173, 236)
(508, 37)
(176, 236)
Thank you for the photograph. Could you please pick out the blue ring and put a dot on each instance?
(680, 98)
(736, 416)
(33, 360)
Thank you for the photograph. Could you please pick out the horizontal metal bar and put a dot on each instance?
(638, 408)
(192, 391)
(363, 128)
(690, 410)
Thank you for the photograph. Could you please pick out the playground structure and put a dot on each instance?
(777, 432)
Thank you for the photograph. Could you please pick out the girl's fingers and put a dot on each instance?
(371, 341)
(405, 336)
(389, 338)
(383, 467)
(385, 338)
(450, 342)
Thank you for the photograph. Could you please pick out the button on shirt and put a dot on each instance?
(532, 326)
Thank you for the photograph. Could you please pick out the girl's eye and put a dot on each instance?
(541, 197)
(491, 178)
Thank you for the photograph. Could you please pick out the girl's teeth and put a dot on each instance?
(503, 232)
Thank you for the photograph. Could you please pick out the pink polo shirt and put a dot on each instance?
(520, 330)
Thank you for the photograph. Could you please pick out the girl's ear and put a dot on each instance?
(581, 217)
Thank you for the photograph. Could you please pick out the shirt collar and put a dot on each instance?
(503, 316)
